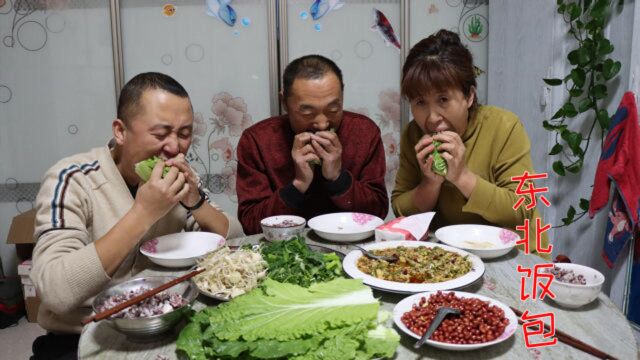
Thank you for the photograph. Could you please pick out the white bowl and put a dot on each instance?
(575, 295)
(345, 227)
(487, 242)
(407, 304)
(282, 227)
(180, 249)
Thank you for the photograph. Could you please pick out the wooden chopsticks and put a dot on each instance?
(570, 340)
(137, 299)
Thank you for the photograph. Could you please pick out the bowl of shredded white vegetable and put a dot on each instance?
(230, 273)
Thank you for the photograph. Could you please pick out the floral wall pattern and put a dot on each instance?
(387, 117)
(215, 141)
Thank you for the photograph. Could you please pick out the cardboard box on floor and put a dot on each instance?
(32, 304)
(21, 234)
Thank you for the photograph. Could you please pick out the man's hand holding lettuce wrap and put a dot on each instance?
(194, 196)
(145, 167)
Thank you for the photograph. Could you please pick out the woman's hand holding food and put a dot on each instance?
(424, 154)
(303, 155)
(452, 149)
(327, 145)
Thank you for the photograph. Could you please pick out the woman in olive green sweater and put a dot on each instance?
(483, 146)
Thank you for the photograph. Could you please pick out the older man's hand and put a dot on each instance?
(328, 147)
(303, 155)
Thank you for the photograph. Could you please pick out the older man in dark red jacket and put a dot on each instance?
(314, 160)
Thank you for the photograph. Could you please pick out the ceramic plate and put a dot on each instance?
(487, 242)
(345, 227)
(406, 305)
(180, 249)
(350, 267)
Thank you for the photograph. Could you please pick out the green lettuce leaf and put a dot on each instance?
(286, 312)
(336, 320)
(145, 167)
(381, 341)
(190, 342)
(439, 164)
(336, 348)
(274, 349)
(341, 343)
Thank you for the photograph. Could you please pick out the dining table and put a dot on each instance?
(600, 323)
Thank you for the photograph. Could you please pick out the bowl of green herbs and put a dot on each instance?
(295, 262)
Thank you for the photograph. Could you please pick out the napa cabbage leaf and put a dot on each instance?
(338, 319)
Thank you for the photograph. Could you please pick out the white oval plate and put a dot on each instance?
(345, 227)
(488, 242)
(350, 267)
(407, 304)
(180, 249)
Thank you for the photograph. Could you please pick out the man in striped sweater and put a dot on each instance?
(93, 211)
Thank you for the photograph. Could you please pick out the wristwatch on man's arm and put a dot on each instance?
(203, 198)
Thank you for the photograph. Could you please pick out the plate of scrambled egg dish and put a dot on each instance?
(420, 266)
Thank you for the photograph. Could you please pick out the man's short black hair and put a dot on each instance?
(308, 67)
(129, 102)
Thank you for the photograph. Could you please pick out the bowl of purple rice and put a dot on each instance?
(282, 227)
(575, 285)
(153, 316)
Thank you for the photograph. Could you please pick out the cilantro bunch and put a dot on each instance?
(291, 261)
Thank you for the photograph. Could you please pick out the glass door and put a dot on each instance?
(220, 54)
(57, 94)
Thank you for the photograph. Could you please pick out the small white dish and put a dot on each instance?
(180, 249)
(282, 227)
(345, 227)
(349, 264)
(487, 242)
(575, 295)
(407, 304)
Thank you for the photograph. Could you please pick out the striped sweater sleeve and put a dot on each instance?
(67, 270)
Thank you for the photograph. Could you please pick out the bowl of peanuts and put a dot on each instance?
(482, 321)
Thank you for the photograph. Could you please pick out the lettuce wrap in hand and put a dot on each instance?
(145, 167)
(319, 161)
(439, 165)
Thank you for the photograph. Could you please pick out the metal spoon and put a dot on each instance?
(442, 313)
(366, 253)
